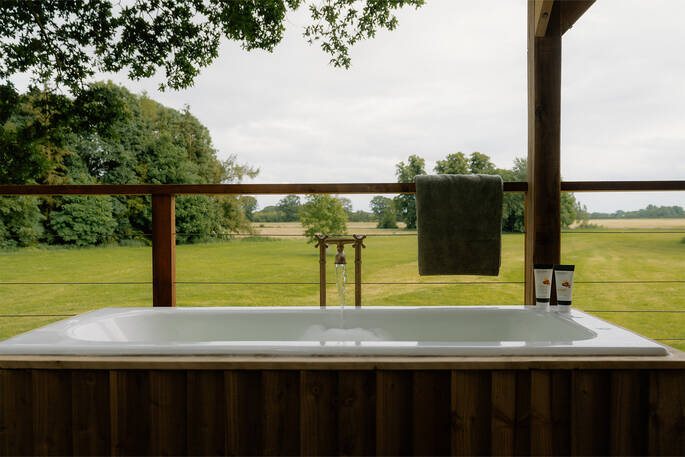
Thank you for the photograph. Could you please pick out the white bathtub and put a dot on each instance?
(467, 330)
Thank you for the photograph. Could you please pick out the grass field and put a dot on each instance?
(661, 223)
(599, 256)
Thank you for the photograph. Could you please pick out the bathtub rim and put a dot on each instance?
(244, 355)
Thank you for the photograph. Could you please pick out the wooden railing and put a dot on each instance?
(163, 217)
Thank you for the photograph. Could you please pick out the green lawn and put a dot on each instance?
(598, 256)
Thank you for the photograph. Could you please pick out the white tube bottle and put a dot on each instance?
(543, 285)
(563, 278)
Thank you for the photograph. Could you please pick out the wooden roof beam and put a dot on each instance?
(571, 11)
(543, 9)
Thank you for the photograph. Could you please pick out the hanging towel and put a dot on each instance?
(459, 219)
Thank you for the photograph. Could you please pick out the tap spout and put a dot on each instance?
(340, 256)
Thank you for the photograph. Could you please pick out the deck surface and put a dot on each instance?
(676, 361)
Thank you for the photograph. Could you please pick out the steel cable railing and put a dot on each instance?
(356, 188)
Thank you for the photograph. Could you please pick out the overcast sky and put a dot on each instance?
(452, 77)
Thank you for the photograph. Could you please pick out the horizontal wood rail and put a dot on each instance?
(235, 189)
(313, 188)
(621, 186)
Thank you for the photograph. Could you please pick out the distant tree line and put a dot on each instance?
(651, 211)
(387, 212)
(403, 207)
(288, 210)
(107, 135)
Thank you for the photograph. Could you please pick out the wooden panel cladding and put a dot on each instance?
(346, 412)
(339, 188)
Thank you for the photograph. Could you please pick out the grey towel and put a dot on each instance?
(459, 219)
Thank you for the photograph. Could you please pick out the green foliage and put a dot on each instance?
(322, 214)
(481, 164)
(651, 211)
(405, 204)
(513, 205)
(388, 219)
(454, 164)
(248, 204)
(108, 135)
(361, 216)
(290, 207)
(384, 210)
(20, 221)
(83, 220)
(198, 217)
(347, 205)
(67, 42)
(269, 214)
(568, 209)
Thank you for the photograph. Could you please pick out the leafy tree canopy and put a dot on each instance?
(513, 217)
(249, 205)
(454, 164)
(66, 42)
(384, 210)
(107, 135)
(406, 203)
(322, 214)
(290, 207)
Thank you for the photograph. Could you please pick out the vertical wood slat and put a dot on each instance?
(51, 412)
(281, 403)
(667, 412)
(206, 407)
(431, 413)
(543, 199)
(561, 411)
(244, 412)
(550, 412)
(168, 412)
(471, 412)
(522, 433)
(16, 412)
(503, 412)
(129, 405)
(629, 412)
(580, 412)
(318, 413)
(163, 250)
(590, 404)
(90, 412)
(393, 412)
(357, 409)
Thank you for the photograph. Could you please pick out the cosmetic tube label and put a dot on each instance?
(543, 284)
(563, 277)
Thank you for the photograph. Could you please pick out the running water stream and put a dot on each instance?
(340, 280)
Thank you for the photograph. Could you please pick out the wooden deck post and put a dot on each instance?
(163, 250)
(543, 199)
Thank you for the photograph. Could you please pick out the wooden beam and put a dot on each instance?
(163, 250)
(571, 10)
(543, 199)
(543, 8)
(349, 188)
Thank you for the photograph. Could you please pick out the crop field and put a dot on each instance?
(636, 280)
